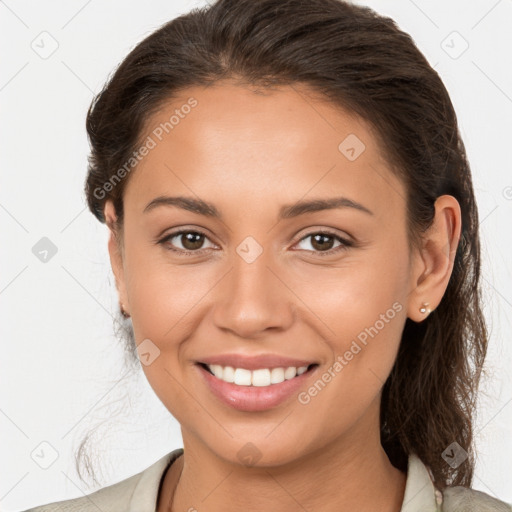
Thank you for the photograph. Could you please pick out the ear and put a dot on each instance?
(433, 262)
(116, 254)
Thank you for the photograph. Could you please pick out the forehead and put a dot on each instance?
(239, 146)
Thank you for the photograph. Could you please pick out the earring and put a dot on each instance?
(123, 312)
(424, 309)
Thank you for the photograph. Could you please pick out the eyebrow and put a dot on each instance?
(286, 212)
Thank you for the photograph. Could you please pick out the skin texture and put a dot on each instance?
(249, 153)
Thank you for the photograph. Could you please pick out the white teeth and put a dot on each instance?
(216, 370)
(242, 377)
(277, 375)
(260, 377)
(290, 372)
(229, 374)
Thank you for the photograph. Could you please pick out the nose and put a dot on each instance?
(253, 299)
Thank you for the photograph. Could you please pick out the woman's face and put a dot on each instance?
(253, 283)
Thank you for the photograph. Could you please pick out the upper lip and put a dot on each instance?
(255, 362)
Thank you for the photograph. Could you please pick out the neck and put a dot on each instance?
(339, 477)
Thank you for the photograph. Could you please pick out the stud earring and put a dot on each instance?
(123, 312)
(424, 309)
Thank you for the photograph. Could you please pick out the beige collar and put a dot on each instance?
(420, 492)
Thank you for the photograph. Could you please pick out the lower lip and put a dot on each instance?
(254, 398)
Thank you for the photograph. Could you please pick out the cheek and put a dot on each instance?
(356, 295)
(363, 306)
(365, 312)
(165, 301)
(162, 292)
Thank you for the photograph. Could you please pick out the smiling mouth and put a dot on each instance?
(258, 378)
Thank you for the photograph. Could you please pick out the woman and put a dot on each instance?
(294, 236)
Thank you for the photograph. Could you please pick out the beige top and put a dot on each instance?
(139, 493)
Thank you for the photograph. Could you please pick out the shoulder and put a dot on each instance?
(139, 491)
(421, 494)
(462, 499)
(103, 499)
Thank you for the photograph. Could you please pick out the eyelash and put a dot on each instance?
(345, 244)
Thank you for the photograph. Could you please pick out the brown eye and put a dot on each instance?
(190, 241)
(323, 243)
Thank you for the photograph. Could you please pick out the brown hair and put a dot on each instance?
(364, 63)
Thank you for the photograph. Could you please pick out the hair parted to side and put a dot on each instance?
(364, 63)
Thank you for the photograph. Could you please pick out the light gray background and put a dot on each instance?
(60, 363)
